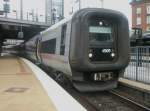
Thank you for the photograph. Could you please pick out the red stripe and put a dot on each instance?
(52, 56)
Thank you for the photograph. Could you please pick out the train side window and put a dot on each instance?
(63, 39)
(49, 46)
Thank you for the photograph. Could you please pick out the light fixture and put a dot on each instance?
(90, 55)
(112, 54)
(100, 23)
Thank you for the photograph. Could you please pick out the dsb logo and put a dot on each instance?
(106, 51)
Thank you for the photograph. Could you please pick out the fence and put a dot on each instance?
(26, 16)
(139, 66)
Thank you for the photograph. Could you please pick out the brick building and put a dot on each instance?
(141, 14)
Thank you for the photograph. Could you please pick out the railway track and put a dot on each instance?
(105, 101)
(102, 101)
(127, 99)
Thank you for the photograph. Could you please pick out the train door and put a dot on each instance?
(38, 49)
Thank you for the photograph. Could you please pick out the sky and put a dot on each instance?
(119, 5)
(39, 6)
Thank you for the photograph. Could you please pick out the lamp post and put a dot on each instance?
(6, 8)
(46, 11)
(79, 4)
(36, 17)
(51, 12)
(33, 15)
(53, 16)
(20, 33)
(6, 11)
(27, 16)
(41, 18)
(21, 9)
(15, 11)
(62, 9)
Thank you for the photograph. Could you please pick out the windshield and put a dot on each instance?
(100, 31)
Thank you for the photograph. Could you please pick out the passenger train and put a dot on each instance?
(91, 48)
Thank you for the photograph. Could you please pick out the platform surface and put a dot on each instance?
(20, 90)
(135, 84)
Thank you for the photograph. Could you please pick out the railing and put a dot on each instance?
(26, 16)
(139, 66)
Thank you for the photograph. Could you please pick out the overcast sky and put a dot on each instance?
(120, 5)
(39, 6)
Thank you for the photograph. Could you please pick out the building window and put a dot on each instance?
(148, 19)
(148, 9)
(138, 10)
(138, 20)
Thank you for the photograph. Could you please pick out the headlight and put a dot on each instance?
(112, 54)
(90, 55)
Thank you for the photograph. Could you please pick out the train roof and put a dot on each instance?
(70, 17)
(57, 24)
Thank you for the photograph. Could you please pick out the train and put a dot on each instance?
(91, 48)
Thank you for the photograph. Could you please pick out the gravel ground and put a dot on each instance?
(102, 101)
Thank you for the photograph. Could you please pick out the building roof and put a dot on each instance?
(134, 2)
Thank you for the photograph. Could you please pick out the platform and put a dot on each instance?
(135, 91)
(135, 84)
(24, 87)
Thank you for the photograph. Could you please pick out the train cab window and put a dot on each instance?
(63, 39)
(100, 31)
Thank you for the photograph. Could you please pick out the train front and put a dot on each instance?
(99, 49)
